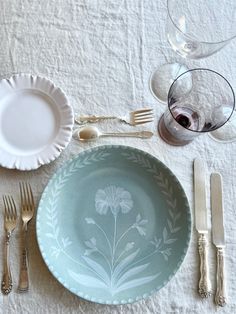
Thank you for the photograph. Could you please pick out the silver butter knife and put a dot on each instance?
(204, 287)
(218, 236)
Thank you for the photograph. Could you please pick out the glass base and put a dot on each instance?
(226, 133)
(167, 136)
(163, 77)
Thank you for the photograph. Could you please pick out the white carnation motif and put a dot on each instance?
(114, 198)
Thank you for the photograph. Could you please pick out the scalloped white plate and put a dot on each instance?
(36, 122)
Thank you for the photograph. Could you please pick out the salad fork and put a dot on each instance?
(10, 220)
(134, 118)
(27, 212)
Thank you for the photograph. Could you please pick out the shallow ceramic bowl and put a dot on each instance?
(113, 225)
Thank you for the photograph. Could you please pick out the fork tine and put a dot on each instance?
(142, 110)
(143, 122)
(31, 195)
(5, 206)
(21, 193)
(25, 189)
(144, 116)
(9, 209)
(28, 196)
(13, 207)
(24, 196)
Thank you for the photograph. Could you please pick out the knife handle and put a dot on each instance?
(220, 297)
(204, 287)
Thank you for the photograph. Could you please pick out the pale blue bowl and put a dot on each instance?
(113, 225)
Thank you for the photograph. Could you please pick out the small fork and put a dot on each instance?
(27, 212)
(135, 117)
(10, 219)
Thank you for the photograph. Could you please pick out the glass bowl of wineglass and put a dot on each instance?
(195, 30)
(199, 101)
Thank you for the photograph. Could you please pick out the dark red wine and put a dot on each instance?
(186, 117)
(177, 133)
(183, 120)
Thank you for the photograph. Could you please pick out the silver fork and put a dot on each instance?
(134, 118)
(10, 219)
(27, 212)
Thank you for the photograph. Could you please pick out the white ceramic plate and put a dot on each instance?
(36, 122)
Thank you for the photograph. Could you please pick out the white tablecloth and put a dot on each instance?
(102, 53)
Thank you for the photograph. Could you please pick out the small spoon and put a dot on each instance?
(89, 133)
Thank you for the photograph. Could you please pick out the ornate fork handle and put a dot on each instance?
(220, 297)
(93, 119)
(204, 282)
(24, 278)
(6, 279)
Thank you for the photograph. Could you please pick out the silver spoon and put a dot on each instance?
(89, 133)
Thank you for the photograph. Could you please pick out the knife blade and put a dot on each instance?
(218, 236)
(204, 286)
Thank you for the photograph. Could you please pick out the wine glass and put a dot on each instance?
(199, 101)
(194, 29)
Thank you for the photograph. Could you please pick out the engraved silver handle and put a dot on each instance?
(6, 279)
(92, 119)
(24, 278)
(204, 281)
(220, 297)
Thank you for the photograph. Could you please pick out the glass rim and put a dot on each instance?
(199, 41)
(209, 70)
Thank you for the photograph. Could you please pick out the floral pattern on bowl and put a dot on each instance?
(125, 236)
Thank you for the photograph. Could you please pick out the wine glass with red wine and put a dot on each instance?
(199, 101)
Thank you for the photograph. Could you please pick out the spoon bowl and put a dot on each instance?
(88, 133)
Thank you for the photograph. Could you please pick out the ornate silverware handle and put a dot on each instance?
(24, 278)
(6, 279)
(220, 297)
(204, 281)
(92, 119)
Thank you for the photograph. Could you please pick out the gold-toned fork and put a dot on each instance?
(134, 118)
(27, 212)
(10, 220)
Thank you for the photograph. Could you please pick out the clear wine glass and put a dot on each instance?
(199, 101)
(194, 29)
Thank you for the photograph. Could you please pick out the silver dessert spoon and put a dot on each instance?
(89, 133)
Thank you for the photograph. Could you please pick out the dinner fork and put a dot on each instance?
(27, 212)
(134, 118)
(10, 219)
